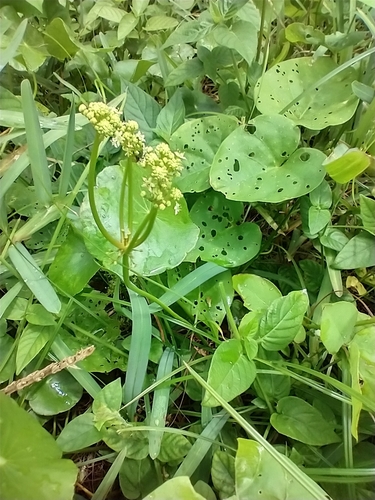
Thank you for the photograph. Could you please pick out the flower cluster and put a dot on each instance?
(165, 165)
(107, 122)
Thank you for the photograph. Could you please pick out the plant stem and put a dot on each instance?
(143, 230)
(91, 192)
(129, 169)
(121, 205)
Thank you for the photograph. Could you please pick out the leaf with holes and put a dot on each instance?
(317, 106)
(171, 238)
(220, 223)
(260, 476)
(264, 164)
(204, 302)
(199, 140)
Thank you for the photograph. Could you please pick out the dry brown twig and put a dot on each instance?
(39, 375)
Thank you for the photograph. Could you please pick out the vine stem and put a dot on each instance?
(91, 192)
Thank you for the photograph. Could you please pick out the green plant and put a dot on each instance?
(187, 187)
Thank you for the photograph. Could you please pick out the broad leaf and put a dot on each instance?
(367, 206)
(337, 325)
(167, 491)
(241, 37)
(299, 420)
(256, 292)
(222, 473)
(171, 238)
(138, 478)
(358, 252)
(348, 166)
(31, 342)
(282, 320)
(59, 40)
(126, 25)
(78, 433)
(230, 373)
(55, 394)
(199, 141)
(265, 164)
(73, 265)
(188, 70)
(174, 447)
(259, 476)
(331, 103)
(142, 108)
(40, 472)
(220, 223)
(157, 23)
(171, 117)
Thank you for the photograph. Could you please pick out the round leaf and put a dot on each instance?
(171, 238)
(199, 140)
(299, 420)
(56, 394)
(217, 219)
(265, 165)
(31, 464)
(331, 103)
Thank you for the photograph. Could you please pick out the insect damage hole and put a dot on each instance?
(305, 156)
(236, 166)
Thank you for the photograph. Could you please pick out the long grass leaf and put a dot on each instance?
(311, 486)
(8, 298)
(35, 146)
(61, 351)
(139, 350)
(200, 448)
(8, 54)
(16, 119)
(23, 161)
(107, 482)
(33, 278)
(68, 153)
(160, 404)
(188, 283)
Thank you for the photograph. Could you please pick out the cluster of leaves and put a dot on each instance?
(259, 291)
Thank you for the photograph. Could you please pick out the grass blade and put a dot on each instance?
(8, 298)
(35, 150)
(8, 54)
(188, 283)
(160, 404)
(200, 447)
(33, 278)
(23, 161)
(107, 482)
(68, 153)
(311, 486)
(139, 350)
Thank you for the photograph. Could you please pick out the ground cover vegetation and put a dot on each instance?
(187, 250)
